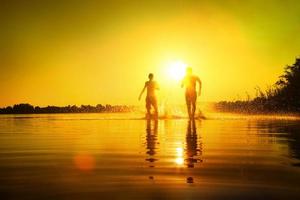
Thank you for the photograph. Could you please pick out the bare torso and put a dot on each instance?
(151, 87)
(190, 84)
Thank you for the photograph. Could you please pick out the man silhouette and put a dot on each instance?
(189, 82)
(151, 99)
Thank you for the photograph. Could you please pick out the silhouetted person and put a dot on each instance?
(189, 82)
(151, 99)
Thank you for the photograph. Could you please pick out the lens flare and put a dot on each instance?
(84, 162)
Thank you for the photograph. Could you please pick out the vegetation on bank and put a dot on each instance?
(282, 97)
(25, 108)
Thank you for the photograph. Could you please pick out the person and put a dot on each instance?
(151, 99)
(189, 82)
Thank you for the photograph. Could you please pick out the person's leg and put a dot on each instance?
(188, 104)
(193, 109)
(148, 108)
(194, 100)
(154, 104)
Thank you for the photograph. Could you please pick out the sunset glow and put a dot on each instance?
(88, 54)
(139, 100)
(176, 70)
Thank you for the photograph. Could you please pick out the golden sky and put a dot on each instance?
(90, 52)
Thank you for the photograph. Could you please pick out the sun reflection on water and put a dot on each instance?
(179, 160)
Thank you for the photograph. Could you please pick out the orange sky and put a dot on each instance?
(87, 52)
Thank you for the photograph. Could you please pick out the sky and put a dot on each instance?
(89, 52)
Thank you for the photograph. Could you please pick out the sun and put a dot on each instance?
(176, 70)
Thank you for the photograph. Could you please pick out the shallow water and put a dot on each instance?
(119, 156)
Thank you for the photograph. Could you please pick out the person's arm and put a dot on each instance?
(200, 86)
(143, 90)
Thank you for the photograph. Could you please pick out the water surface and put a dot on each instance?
(120, 156)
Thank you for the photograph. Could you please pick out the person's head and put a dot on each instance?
(189, 71)
(150, 76)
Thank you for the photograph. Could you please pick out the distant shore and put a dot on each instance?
(25, 108)
(251, 108)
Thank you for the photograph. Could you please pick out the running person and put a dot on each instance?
(189, 82)
(151, 99)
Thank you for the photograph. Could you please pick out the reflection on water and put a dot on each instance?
(193, 151)
(151, 141)
(289, 132)
(189, 155)
(65, 157)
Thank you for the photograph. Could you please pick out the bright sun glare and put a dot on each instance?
(176, 70)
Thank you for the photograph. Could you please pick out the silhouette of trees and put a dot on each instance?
(25, 108)
(283, 96)
(288, 92)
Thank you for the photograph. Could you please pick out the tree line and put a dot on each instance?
(25, 108)
(282, 97)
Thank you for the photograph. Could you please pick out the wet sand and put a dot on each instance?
(111, 156)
